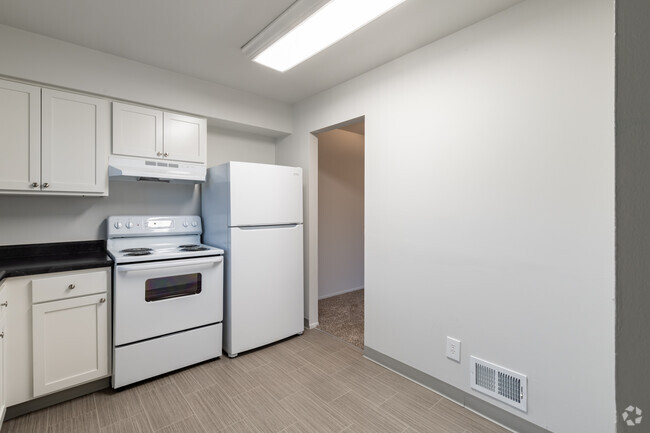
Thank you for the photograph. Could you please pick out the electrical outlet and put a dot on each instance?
(453, 349)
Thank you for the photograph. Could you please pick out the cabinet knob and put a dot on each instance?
(159, 154)
(165, 154)
(2, 335)
(102, 300)
(4, 304)
(71, 286)
(46, 185)
(34, 185)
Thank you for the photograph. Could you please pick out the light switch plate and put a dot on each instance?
(453, 349)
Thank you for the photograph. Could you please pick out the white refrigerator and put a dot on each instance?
(254, 213)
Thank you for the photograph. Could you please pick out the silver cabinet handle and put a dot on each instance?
(34, 185)
(165, 154)
(102, 300)
(46, 185)
(2, 335)
(159, 154)
(4, 304)
(71, 286)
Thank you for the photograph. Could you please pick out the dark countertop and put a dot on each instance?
(19, 260)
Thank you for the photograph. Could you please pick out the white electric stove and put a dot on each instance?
(167, 296)
(134, 239)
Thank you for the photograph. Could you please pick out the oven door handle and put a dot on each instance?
(169, 264)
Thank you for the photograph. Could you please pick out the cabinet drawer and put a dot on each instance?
(69, 286)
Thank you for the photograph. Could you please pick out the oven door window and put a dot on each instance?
(157, 289)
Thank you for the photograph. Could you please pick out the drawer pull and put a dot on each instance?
(71, 286)
(102, 300)
(4, 304)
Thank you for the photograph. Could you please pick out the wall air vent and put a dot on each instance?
(505, 385)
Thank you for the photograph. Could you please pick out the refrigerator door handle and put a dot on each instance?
(275, 226)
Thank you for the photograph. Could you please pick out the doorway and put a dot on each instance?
(341, 232)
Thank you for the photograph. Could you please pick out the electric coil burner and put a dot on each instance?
(167, 296)
(192, 248)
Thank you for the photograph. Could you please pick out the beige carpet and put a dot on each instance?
(342, 316)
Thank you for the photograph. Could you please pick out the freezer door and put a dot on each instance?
(264, 293)
(262, 194)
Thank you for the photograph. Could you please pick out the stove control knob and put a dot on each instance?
(185, 223)
(118, 225)
(194, 223)
(129, 225)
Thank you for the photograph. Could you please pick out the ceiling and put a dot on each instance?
(357, 128)
(202, 38)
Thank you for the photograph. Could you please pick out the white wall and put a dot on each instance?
(489, 204)
(42, 219)
(27, 56)
(340, 212)
(226, 145)
(25, 220)
(45, 60)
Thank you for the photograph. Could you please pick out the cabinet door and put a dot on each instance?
(3, 320)
(137, 131)
(76, 135)
(185, 138)
(20, 136)
(70, 342)
(3, 400)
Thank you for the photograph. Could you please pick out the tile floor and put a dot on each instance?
(311, 383)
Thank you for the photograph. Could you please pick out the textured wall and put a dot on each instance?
(632, 210)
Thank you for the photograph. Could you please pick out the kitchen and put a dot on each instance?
(501, 134)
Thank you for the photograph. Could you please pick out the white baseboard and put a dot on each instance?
(329, 295)
(310, 325)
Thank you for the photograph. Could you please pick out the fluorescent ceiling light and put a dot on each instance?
(328, 25)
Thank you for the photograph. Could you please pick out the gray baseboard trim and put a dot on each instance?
(479, 406)
(310, 325)
(56, 398)
(342, 292)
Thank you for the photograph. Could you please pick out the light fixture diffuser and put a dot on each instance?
(328, 25)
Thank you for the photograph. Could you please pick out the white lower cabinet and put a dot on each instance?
(3, 320)
(70, 341)
(3, 402)
(58, 332)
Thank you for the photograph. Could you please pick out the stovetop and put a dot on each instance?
(150, 238)
(127, 253)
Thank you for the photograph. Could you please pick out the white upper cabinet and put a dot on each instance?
(185, 138)
(137, 131)
(76, 134)
(149, 133)
(52, 142)
(20, 136)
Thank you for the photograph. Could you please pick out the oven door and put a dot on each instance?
(158, 298)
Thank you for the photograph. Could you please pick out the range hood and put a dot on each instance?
(124, 168)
